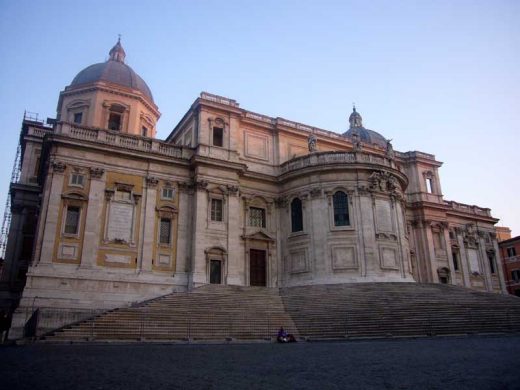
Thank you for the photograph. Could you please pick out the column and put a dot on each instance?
(93, 232)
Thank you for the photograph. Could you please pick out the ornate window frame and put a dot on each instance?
(218, 124)
(167, 212)
(78, 107)
(330, 199)
(113, 106)
(73, 199)
(430, 182)
(219, 254)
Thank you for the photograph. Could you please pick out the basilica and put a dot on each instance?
(105, 215)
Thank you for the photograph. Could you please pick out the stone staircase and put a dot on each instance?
(207, 313)
(361, 310)
(370, 310)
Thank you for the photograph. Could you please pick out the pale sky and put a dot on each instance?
(440, 77)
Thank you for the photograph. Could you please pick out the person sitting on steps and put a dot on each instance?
(284, 337)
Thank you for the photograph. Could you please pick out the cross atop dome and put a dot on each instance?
(355, 118)
(117, 53)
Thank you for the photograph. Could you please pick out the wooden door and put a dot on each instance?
(257, 268)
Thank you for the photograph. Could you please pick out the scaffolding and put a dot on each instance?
(15, 176)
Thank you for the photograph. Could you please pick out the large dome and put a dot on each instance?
(113, 71)
(364, 135)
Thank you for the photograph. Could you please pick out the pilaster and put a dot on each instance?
(148, 240)
(234, 268)
(93, 218)
(500, 267)
(485, 264)
(53, 210)
(463, 260)
(449, 254)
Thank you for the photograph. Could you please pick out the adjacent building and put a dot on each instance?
(104, 214)
(510, 252)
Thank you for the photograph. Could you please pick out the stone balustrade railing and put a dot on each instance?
(126, 141)
(38, 131)
(218, 99)
(466, 208)
(315, 159)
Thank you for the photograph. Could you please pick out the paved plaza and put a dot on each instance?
(433, 363)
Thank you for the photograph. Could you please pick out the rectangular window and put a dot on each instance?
(76, 180)
(257, 217)
(167, 193)
(515, 275)
(72, 220)
(218, 136)
(216, 210)
(455, 260)
(114, 121)
(165, 231)
(144, 131)
(429, 185)
(492, 267)
(78, 117)
(511, 252)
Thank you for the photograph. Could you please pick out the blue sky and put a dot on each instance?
(436, 76)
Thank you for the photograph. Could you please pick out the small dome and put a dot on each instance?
(367, 136)
(364, 135)
(113, 71)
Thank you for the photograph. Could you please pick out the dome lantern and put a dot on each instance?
(117, 53)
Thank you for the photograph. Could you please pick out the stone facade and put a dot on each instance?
(105, 216)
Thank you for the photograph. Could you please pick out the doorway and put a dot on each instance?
(257, 267)
(215, 272)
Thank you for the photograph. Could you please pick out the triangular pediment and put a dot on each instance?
(258, 235)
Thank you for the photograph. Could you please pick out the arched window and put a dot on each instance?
(296, 215)
(340, 202)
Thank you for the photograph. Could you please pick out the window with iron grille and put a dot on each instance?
(257, 217)
(165, 231)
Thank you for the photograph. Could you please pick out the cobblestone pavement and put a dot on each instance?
(434, 363)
